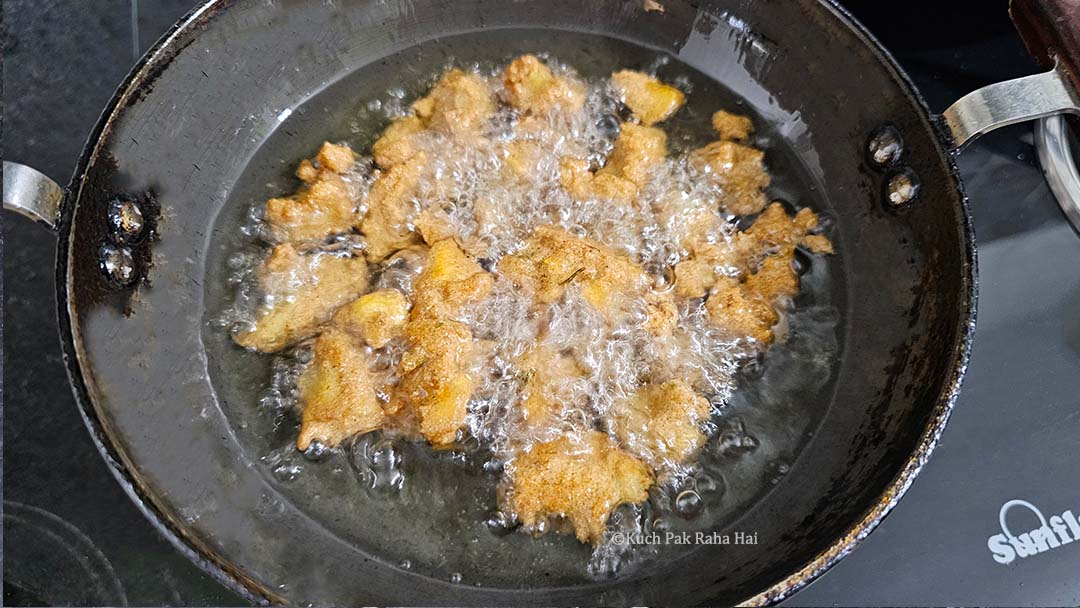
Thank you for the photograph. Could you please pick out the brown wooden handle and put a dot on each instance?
(1050, 29)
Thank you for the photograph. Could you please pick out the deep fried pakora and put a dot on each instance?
(305, 290)
(579, 479)
(537, 288)
(324, 205)
(376, 317)
(337, 393)
(650, 100)
(663, 421)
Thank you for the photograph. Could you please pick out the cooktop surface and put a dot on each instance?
(1007, 463)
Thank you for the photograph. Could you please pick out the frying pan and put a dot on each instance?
(215, 115)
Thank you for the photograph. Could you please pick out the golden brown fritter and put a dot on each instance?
(552, 259)
(663, 421)
(774, 228)
(706, 264)
(533, 88)
(435, 225)
(450, 281)
(775, 278)
(376, 318)
(764, 256)
(582, 184)
(638, 150)
(774, 233)
(741, 312)
(324, 205)
(650, 100)
(391, 206)
(437, 378)
(738, 170)
(459, 104)
(306, 289)
(578, 479)
(694, 276)
(732, 127)
(547, 374)
(397, 143)
(337, 393)
(437, 370)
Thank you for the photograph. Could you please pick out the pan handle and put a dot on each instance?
(1051, 31)
(31, 193)
(1010, 102)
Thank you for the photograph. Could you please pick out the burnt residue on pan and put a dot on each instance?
(110, 265)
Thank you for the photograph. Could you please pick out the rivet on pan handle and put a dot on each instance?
(31, 193)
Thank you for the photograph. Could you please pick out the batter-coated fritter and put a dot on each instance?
(324, 205)
(337, 393)
(552, 259)
(547, 375)
(741, 312)
(609, 281)
(663, 421)
(773, 233)
(306, 289)
(438, 370)
(650, 100)
(391, 206)
(739, 171)
(533, 88)
(582, 184)
(437, 378)
(732, 127)
(578, 478)
(764, 254)
(397, 143)
(775, 229)
(377, 317)
(459, 104)
(638, 151)
(450, 281)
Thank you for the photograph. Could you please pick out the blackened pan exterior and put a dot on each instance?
(139, 367)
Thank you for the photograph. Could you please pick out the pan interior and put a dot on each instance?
(218, 119)
(435, 525)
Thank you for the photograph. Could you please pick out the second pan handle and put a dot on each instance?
(1051, 31)
(31, 193)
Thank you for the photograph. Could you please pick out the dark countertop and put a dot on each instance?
(1014, 433)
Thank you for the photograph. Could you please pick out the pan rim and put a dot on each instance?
(227, 573)
(961, 349)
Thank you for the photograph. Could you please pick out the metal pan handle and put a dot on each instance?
(1010, 102)
(1051, 31)
(31, 193)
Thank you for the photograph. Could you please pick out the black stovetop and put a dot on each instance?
(72, 537)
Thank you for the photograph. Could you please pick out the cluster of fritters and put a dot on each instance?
(479, 188)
